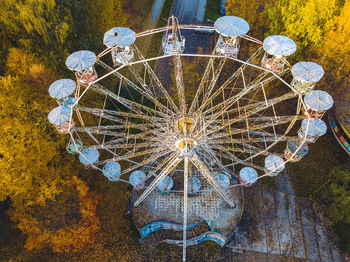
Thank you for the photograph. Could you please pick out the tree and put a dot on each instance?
(306, 22)
(338, 194)
(253, 12)
(66, 221)
(35, 174)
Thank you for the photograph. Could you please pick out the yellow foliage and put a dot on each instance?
(76, 230)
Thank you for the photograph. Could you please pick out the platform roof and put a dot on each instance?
(318, 100)
(166, 184)
(89, 156)
(248, 174)
(309, 72)
(112, 171)
(59, 115)
(137, 178)
(279, 45)
(293, 146)
(231, 26)
(314, 127)
(222, 179)
(62, 88)
(119, 36)
(274, 163)
(80, 60)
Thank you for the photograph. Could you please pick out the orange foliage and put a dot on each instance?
(66, 224)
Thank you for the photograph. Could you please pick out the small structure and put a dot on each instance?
(222, 179)
(82, 63)
(75, 147)
(120, 40)
(295, 150)
(305, 76)
(317, 103)
(194, 185)
(62, 88)
(60, 116)
(88, 157)
(173, 42)
(277, 47)
(248, 176)
(166, 184)
(137, 179)
(112, 171)
(274, 165)
(311, 129)
(230, 29)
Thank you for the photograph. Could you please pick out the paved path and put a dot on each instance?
(156, 10)
(276, 225)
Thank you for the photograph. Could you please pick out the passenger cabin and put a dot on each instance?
(230, 29)
(295, 150)
(173, 42)
(305, 76)
(277, 48)
(82, 64)
(317, 102)
(120, 39)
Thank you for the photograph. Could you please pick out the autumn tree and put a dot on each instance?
(306, 22)
(66, 221)
(36, 173)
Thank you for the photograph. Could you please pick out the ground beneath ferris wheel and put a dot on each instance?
(159, 217)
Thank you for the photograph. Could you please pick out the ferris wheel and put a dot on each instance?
(252, 111)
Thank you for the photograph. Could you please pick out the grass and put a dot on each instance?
(212, 11)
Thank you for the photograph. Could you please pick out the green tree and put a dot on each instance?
(338, 194)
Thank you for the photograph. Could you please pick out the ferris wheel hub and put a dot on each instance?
(186, 143)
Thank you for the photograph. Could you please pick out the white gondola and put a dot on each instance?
(62, 88)
(166, 184)
(82, 63)
(222, 179)
(88, 157)
(59, 115)
(173, 42)
(305, 76)
(317, 103)
(274, 165)
(248, 176)
(311, 129)
(277, 47)
(120, 39)
(298, 148)
(173, 45)
(137, 179)
(230, 29)
(194, 185)
(112, 171)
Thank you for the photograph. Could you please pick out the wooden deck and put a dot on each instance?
(276, 226)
